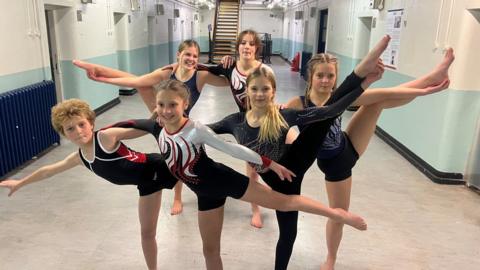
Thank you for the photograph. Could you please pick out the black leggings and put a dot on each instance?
(298, 158)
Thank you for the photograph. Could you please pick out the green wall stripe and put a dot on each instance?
(20, 79)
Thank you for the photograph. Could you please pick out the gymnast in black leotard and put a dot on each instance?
(185, 70)
(263, 129)
(104, 154)
(341, 149)
(181, 142)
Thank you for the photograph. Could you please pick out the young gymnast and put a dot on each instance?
(185, 70)
(105, 155)
(263, 128)
(181, 141)
(248, 47)
(341, 150)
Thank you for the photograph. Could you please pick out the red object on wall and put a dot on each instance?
(296, 63)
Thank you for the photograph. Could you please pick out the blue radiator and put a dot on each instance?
(25, 128)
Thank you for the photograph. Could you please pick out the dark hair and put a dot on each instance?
(256, 40)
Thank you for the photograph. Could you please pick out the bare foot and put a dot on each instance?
(177, 207)
(440, 72)
(351, 219)
(328, 265)
(256, 217)
(369, 62)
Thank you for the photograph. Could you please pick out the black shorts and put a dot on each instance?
(217, 183)
(339, 168)
(159, 177)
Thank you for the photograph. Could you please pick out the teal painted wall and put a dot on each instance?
(17, 80)
(438, 128)
(158, 56)
(203, 43)
(77, 85)
(134, 61)
(288, 48)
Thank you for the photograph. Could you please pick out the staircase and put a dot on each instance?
(226, 29)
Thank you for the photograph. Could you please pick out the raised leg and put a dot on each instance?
(369, 62)
(437, 75)
(266, 197)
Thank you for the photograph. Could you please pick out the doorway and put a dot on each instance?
(322, 31)
(53, 52)
(171, 47)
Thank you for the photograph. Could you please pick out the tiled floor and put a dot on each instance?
(78, 221)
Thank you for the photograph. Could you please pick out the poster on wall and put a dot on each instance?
(393, 28)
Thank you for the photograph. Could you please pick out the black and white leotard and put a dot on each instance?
(186, 159)
(124, 166)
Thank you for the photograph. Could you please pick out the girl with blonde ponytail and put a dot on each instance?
(263, 128)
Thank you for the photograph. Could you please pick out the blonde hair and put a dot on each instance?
(68, 109)
(256, 40)
(273, 123)
(187, 44)
(175, 86)
(317, 59)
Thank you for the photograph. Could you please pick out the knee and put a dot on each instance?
(211, 250)
(375, 107)
(148, 233)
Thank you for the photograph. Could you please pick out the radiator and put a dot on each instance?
(25, 128)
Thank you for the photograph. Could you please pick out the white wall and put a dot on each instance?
(23, 30)
(262, 21)
(421, 46)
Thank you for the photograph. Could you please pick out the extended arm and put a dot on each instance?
(241, 152)
(314, 114)
(113, 76)
(44, 172)
(209, 78)
(111, 137)
(142, 125)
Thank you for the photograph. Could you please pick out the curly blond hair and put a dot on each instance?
(67, 109)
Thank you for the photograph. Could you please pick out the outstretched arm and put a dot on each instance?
(44, 172)
(111, 137)
(94, 71)
(207, 136)
(315, 114)
(209, 78)
(117, 77)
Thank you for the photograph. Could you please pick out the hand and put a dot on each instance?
(93, 72)
(437, 88)
(375, 75)
(281, 171)
(227, 61)
(13, 185)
